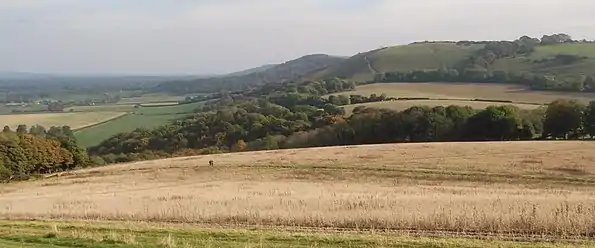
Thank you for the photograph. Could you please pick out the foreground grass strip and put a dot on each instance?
(120, 235)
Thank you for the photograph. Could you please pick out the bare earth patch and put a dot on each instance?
(507, 187)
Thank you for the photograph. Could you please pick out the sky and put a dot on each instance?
(220, 36)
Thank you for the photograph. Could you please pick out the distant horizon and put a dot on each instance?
(106, 74)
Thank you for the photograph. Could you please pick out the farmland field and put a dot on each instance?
(454, 192)
(402, 105)
(74, 120)
(455, 91)
(143, 117)
(150, 98)
(102, 108)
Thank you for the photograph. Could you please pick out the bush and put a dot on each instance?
(211, 150)
(97, 161)
(5, 173)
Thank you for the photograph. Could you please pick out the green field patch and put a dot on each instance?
(141, 117)
(580, 49)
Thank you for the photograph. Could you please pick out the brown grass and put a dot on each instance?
(455, 91)
(507, 187)
(74, 120)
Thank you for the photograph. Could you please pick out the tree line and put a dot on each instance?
(584, 83)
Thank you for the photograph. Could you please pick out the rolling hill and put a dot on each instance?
(290, 70)
(568, 61)
(364, 66)
(561, 64)
(261, 68)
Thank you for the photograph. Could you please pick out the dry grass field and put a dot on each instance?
(454, 91)
(75, 120)
(402, 105)
(507, 188)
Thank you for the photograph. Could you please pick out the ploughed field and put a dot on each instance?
(505, 188)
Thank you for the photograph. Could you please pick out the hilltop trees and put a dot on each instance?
(22, 129)
(37, 130)
(555, 39)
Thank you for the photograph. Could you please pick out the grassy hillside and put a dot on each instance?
(543, 61)
(363, 66)
(287, 71)
(421, 56)
(568, 63)
(493, 191)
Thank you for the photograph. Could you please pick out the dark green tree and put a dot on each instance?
(344, 100)
(37, 130)
(589, 119)
(22, 128)
(563, 119)
(494, 123)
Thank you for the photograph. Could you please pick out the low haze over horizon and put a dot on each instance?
(221, 36)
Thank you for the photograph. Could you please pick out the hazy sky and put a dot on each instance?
(215, 36)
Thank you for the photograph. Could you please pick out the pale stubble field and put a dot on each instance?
(518, 188)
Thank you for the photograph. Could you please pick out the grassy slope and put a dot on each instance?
(432, 56)
(362, 67)
(421, 56)
(144, 117)
(527, 64)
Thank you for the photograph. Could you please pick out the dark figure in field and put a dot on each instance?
(211, 163)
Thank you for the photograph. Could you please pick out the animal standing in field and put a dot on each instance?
(211, 163)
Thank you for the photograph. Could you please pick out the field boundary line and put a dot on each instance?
(102, 122)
